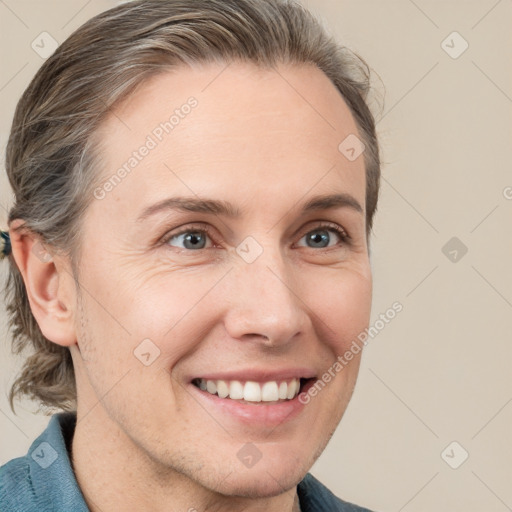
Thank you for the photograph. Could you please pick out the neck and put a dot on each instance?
(115, 474)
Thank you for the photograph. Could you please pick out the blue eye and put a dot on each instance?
(320, 237)
(191, 239)
(197, 238)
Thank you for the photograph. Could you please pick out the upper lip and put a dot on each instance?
(259, 375)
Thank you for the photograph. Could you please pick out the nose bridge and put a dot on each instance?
(263, 301)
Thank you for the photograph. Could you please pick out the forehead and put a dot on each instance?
(231, 130)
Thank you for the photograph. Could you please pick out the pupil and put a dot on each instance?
(194, 239)
(320, 237)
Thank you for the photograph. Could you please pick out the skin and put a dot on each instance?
(266, 141)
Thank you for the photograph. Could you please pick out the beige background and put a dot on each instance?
(440, 371)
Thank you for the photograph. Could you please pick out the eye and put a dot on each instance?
(321, 237)
(194, 238)
(191, 239)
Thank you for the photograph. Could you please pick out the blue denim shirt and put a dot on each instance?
(43, 480)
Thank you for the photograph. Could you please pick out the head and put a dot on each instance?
(186, 210)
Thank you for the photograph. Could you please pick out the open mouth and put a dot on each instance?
(254, 392)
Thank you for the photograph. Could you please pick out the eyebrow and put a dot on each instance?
(220, 207)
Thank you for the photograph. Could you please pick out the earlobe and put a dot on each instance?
(49, 285)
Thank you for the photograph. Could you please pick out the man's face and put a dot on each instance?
(268, 296)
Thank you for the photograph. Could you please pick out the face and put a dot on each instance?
(207, 269)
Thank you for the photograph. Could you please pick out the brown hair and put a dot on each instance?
(51, 155)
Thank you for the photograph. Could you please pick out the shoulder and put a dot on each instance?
(16, 489)
(43, 480)
(315, 497)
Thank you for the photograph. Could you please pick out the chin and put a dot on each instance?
(260, 484)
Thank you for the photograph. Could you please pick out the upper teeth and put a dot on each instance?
(252, 391)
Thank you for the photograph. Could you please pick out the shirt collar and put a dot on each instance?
(50, 467)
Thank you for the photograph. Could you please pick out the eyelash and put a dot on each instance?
(326, 226)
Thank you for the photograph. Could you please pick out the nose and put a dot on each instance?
(265, 305)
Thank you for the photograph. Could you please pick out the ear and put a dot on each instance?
(49, 283)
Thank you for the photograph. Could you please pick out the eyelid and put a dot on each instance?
(187, 228)
(318, 225)
(345, 239)
(324, 224)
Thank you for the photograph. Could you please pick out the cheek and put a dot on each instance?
(173, 310)
(342, 305)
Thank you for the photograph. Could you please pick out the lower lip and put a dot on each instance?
(259, 413)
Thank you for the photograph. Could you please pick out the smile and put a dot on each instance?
(251, 391)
